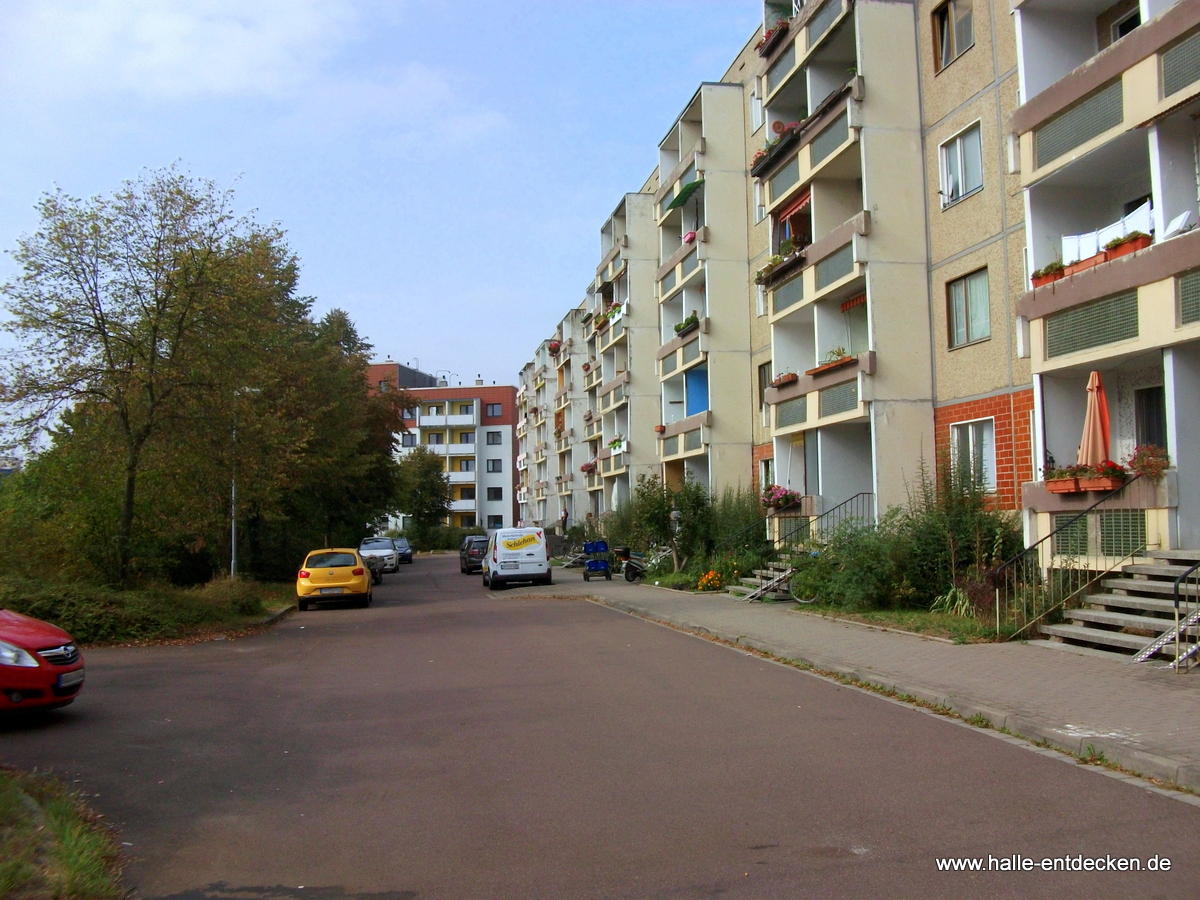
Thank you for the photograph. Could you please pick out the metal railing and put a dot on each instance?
(1187, 610)
(1080, 550)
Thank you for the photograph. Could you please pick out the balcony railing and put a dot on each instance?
(456, 421)
(677, 446)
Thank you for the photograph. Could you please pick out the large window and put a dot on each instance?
(495, 465)
(495, 437)
(494, 410)
(466, 465)
(969, 312)
(495, 522)
(764, 382)
(408, 440)
(495, 493)
(435, 437)
(952, 32)
(962, 166)
(466, 437)
(974, 447)
(466, 409)
(466, 493)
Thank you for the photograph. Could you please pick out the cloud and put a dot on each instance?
(170, 49)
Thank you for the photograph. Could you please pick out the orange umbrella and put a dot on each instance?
(1093, 449)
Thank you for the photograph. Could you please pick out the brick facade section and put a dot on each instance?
(1014, 440)
(758, 453)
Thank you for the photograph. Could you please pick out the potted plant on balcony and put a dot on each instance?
(1130, 243)
(776, 497)
(554, 347)
(771, 37)
(689, 324)
(1148, 461)
(588, 468)
(660, 429)
(833, 359)
(1107, 476)
(1048, 273)
(1079, 265)
(1064, 479)
(600, 322)
(763, 274)
(784, 379)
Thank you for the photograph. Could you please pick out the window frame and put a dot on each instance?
(493, 410)
(956, 430)
(939, 64)
(495, 466)
(950, 314)
(408, 439)
(495, 521)
(499, 438)
(944, 149)
(495, 495)
(430, 435)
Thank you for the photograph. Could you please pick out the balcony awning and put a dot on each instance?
(685, 194)
(794, 207)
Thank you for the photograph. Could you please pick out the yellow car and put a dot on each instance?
(337, 573)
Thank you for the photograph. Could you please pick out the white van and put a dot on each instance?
(516, 554)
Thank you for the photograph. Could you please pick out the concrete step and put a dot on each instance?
(1079, 649)
(1185, 556)
(1129, 601)
(1159, 571)
(738, 590)
(1121, 620)
(1147, 586)
(1113, 640)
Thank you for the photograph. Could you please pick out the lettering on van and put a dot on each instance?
(524, 540)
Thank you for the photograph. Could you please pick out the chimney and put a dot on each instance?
(442, 382)
(478, 382)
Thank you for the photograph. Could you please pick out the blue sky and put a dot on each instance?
(442, 169)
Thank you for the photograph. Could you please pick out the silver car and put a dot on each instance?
(382, 548)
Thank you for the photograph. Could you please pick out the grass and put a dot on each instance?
(52, 847)
(960, 629)
(95, 615)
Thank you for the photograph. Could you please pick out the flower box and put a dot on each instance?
(687, 329)
(1039, 280)
(772, 38)
(1101, 482)
(660, 429)
(832, 364)
(1063, 485)
(785, 379)
(1082, 264)
(1133, 245)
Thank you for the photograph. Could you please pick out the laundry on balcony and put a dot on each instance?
(1082, 246)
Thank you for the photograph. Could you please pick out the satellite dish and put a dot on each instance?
(777, 126)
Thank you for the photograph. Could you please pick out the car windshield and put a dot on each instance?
(376, 543)
(330, 560)
(478, 542)
(401, 544)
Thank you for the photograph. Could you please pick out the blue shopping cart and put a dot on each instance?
(597, 560)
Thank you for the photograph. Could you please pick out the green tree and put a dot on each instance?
(424, 490)
(133, 302)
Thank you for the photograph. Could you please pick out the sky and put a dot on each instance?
(442, 170)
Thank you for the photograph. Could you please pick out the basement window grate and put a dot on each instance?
(1189, 298)
(1092, 325)
(834, 135)
(1122, 531)
(791, 412)
(1072, 540)
(1078, 125)
(837, 265)
(838, 399)
(1181, 65)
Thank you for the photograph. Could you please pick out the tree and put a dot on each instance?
(135, 304)
(424, 490)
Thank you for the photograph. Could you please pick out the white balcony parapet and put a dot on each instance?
(448, 421)
(462, 506)
(1081, 246)
(461, 477)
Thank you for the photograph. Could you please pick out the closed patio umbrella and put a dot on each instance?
(1093, 449)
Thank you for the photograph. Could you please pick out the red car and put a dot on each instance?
(40, 666)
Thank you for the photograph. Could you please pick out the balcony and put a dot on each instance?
(831, 270)
(562, 483)
(611, 336)
(593, 430)
(522, 462)
(563, 398)
(522, 495)
(592, 377)
(461, 477)
(680, 270)
(457, 421)
(563, 444)
(612, 394)
(462, 506)
(450, 449)
(683, 351)
(595, 481)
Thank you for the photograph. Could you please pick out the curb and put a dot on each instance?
(277, 615)
(1183, 772)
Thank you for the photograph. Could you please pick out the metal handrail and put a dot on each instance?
(759, 524)
(815, 524)
(1175, 592)
(1004, 565)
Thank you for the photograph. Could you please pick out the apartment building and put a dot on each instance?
(1109, 95)
(703, 292)
(842, 183)
(472, 428)
(533, 438)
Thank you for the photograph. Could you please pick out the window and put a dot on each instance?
(435, 410)
(766, 473)
(495, 493)
(974, 447)
(495, 522)
(466, 409)
(764, 382)
(495, 437)
(756, 111)
(493, 410)
(760, 208)
(466, 493)
(1150, 416)
(384, 387)
(970, 315)
(409, 413)
(435, 437)
(408, 440)
(466, 521)
(466, 437)
(952, 32)
(495, 465)
(466, 465)
(1126, 24)
(962, 166)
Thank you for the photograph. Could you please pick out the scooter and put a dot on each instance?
(376, 564)
(635, 564)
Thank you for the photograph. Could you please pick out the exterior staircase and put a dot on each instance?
(748, 587)
(1126, 614)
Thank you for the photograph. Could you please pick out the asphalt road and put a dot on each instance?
(451, 743)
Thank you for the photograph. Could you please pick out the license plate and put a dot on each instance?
(512, 565)
(70, 679)
(333, 590)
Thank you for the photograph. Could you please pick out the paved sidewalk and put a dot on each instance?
(1142, 717)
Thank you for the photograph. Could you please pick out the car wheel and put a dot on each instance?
(370, 597)
(587, 576)
(608, 576)
(462, 568)
(302, 605)
(549, 579)
(497, 584)
(485, 578)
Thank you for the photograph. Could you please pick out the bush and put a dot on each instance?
(443, 537)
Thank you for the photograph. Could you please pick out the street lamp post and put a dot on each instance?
(233, 486)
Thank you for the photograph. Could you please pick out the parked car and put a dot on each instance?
(403, 549)
(333, 574)
(516, 554)
(471, 553)
(383, 548)
(40, 666)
